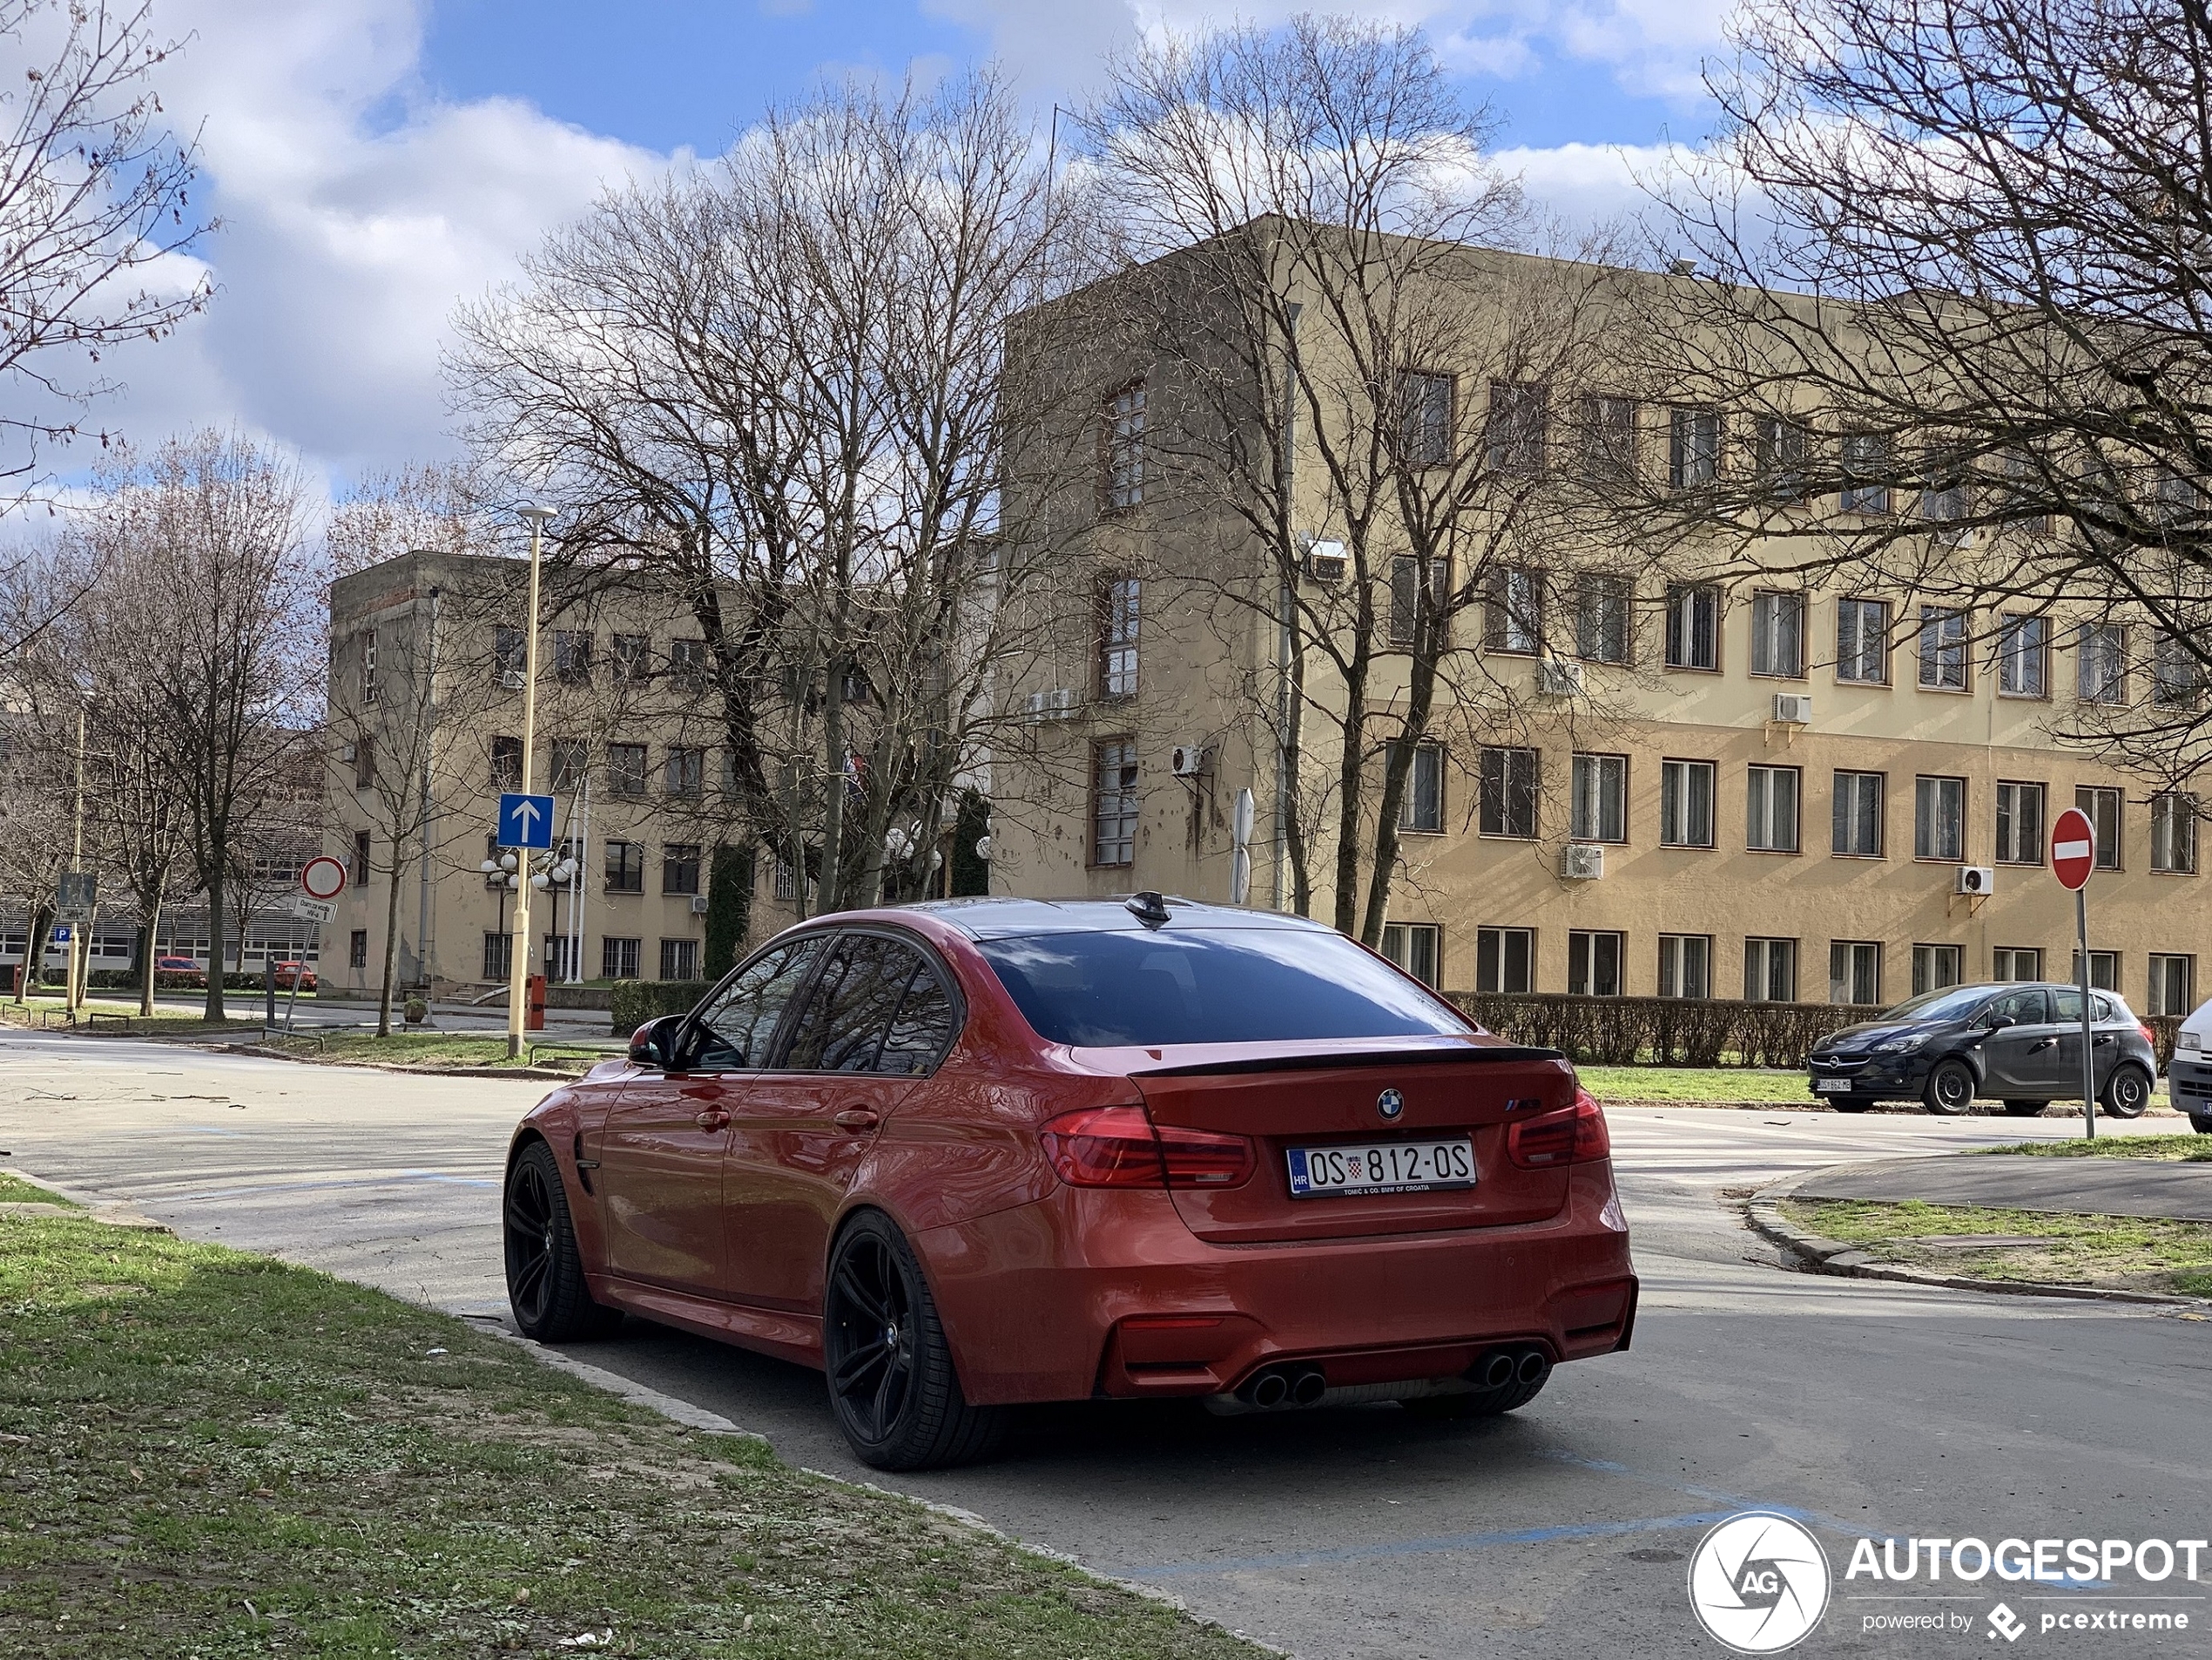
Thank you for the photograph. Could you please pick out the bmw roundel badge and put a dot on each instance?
(1390, 1104)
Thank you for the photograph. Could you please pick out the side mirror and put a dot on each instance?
(654, 1044)
(1999, 1023)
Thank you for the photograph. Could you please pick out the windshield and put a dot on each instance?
(1232, 986)
(1950, 1002)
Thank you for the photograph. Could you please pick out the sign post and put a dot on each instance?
(322, 879)
(2074, 855)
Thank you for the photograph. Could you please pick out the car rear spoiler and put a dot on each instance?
(1470, 1054)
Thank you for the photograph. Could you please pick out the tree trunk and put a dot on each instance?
(212, 1009)
(830, 892)
(146, 961)
(392, 945)
(1351, 771)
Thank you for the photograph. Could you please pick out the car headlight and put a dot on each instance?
(1899, 1045)
(2189, 1040)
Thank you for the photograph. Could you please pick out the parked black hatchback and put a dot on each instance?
(2018, 1043)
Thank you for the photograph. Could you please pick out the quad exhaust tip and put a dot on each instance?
(1285, 1386)
(1293, 1386)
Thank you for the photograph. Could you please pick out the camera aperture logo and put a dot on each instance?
(1758, 1583)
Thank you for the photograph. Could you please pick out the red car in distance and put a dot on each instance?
(972, 1153)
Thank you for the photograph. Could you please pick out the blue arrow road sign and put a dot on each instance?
(526, 821)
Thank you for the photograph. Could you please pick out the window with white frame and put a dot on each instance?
(1599, 810)
(1425, 417)
(1414, 947)
(1685, 965)
(2019, 823)
(1513, 611)
(1862, 641)
(1686, 804)
(1608, 439)
(2177, 677)
(2172, 983)
(1782, 447)
(1693, 625)
(2023, 656)
(1113, 803)
(2100, 663)
(1505, 959)
(1602, 603)
(1407, 591)
(368, 687)
(2104, 969)
(1771, 816)
(1866, 466)
(1593, 958)
(1778, 635)
(1510, 787)
(1518, 434)
(1121, 448)
(1693, 447)
(1854, 971)
(1937, 966)
(2172, 834)
(2017, 962)
(1117, 627)
(1769, 971)
(1940, 819)
(617, 958)
(1943, 649)
(1422, 809)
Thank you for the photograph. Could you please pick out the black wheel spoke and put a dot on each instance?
(890, 1394)
(865, 1302)
(856, 1366)
(530, 1274)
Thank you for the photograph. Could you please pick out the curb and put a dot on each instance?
(522, 1073)
(113, 1213)
(1817, 1253)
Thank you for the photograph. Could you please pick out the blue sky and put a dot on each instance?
(378, 163)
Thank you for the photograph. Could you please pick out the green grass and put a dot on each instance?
(2190, 1147)
(15, 1191)
(213, 1454)
(2122, 1252)
(162, 1019)
(1694, 1084)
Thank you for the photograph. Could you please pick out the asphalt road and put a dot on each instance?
(1562, 1530)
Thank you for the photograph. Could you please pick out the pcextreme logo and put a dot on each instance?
(1758, 1583)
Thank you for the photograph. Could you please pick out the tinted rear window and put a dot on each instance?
(1233, 986)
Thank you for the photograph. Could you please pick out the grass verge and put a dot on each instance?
(15, 1190)
(2169, 1148)
(2115, 1252)
(164, 1019)
(422, 1049)
(1692, 1085)
(213, 1454)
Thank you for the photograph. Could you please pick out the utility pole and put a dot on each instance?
(518, 948)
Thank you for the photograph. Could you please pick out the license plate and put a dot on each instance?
(1382, 1167)
(1831, 1086)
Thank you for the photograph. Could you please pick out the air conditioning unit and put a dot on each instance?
(1793, 708)
(513, 679)
(1187, 760)
(1557, 677)
(1976, 880)
(1581, 861)
(698, 904)
(1326, 561)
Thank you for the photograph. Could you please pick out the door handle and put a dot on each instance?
(858, 1120)
(712, 1118)
(2103, 1038)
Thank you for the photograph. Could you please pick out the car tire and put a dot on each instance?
(2201, 1124)
(545, 1270)
(1479, 1403)
(2127, 1092)
(1851, 1103)
(2026, 1109)
(1951, 1088)
(889, 1368)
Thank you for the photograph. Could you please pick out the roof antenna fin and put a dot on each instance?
(1148, 908)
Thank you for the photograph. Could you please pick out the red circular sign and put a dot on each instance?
(2073, 848)
(323, 877)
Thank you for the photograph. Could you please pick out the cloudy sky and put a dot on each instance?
(373, 162)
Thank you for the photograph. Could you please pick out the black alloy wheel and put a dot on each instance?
(891, 1382)
(2127, 1092)
(2026, 1109)
(2201, 1123)
(1951, 1088)
(544, 1271)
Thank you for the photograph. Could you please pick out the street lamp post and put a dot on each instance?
(518, 959)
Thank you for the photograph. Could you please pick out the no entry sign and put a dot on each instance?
(2074, 849)
(324, 878)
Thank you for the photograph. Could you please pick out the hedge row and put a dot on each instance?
(635, 1001)
(132, 979)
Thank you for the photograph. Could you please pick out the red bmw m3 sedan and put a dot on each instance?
(971, 1153)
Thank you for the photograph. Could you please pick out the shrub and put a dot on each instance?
(635, 1001)
(1659, 1031)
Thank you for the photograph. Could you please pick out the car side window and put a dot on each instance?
(735, 1028)
(2104, 1010)
(2026, 1008)
(2065, 1005)
(870, 1011)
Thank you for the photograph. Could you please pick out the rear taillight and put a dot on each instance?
(1574, 1135)
(2150, 1036)
(1119, 1147)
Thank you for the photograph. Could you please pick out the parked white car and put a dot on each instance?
(2188, 1079)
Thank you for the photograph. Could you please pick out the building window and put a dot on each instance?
(2023, 656)
(1859, 815)
(1602, 603)
(2016, 963)
(1943, 497)
(1778, 635)
(357, 949)
(1599, 807)
(1862, 641)
(1686, 804)
(680, 959)
(1412, 947)
(572, 656)
(1943, 649)
(1771, 820)
(687, 663)
(1113, 803)
(1509, 783)
(1513, 611)
(1937, 966)
(617, 959)
(625, 866)
(1425, 415)
(569, 758)
(1693, 447)
(2177, 677)
(1608, 440)
(2019, 824)
(1406, 595)
(357, 874)
(685, 771)
(1781, 448)
(1121, 448)
(364, 764)
(1423, 806)
(2103, 809)
(1505, 960)
(1854, 971)
(784, 884)
(1769, 971)
(2173, 834)
(1940, 819)
(679, 869)
(369, 667)
(625, 769)
(2172, 983)
(499, 956)
(1867, 464)
(2104, 970)
(632, 658)
(2100, 663)
(1693, 626)
(507, 763)
(1685, 965)
(1594, 962)
(510, 653)
(1118, 623)
(1519, 430)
